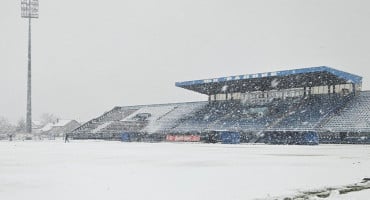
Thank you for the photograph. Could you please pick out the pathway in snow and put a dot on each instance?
(334, 193)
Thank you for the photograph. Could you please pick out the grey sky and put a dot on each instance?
(90, 55)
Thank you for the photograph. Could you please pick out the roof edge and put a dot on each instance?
(352, 78)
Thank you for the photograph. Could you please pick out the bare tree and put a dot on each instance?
(6, 127)
(48, 118)
(21, 126)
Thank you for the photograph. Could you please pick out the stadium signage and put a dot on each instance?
(233, 78)
(183, 138)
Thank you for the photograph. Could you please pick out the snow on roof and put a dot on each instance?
(37, 123)
(345, 75)
(294, 78)
(102, 126)
(62, 122)
(47, 127)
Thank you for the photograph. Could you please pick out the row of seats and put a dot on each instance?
(195, 117)
(159, 119)
(310, 113)
(97, 125)
(354, 117)
(237, 116)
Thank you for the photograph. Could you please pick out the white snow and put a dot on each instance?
(274, 83)
(361, 195)
(62, 122)
(155, 111)
(102, 126)
(36, 123)
(47, 127)
(168, 119)
(91, 170)
(224, 88)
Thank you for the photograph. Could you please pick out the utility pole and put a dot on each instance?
(29, 9)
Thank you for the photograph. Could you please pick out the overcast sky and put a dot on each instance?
(92, 55)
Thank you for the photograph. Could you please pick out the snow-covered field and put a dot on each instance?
(46, 170)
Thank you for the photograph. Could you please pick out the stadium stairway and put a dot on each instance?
(94, 127)
(294, 105)
(171, 119)
(311, 112)
(159, 118)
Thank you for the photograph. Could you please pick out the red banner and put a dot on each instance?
(183, 138)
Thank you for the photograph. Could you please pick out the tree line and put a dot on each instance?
(7, 128)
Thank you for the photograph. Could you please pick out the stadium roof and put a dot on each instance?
(295, 78)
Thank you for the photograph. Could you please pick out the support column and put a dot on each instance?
(334, 89)
(354, 89)
(29, 104)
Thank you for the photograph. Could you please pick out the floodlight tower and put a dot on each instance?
(29, 9)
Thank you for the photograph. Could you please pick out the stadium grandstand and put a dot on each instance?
(299, 106)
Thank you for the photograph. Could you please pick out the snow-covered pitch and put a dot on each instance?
(90, 170)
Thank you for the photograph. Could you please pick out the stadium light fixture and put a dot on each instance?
(29, 9)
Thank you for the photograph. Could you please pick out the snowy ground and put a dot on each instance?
(46, 170)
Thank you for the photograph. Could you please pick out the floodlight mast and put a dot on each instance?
(29, 9)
